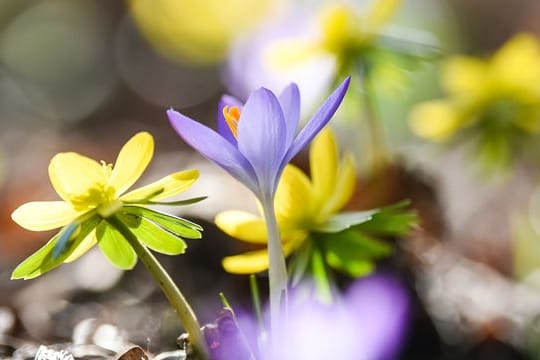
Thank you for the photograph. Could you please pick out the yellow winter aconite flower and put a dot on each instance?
(91, 192)
(344, 33)
(301, 204)
(497, 98)
(345, 30)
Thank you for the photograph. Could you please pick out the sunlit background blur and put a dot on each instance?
(85, 75)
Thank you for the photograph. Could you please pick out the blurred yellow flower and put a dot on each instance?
(344, 33)
(196, 31)
(344, 30)
(500, 95)
(301, 205)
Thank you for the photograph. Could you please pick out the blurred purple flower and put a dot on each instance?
(368, 323)
(266, 138)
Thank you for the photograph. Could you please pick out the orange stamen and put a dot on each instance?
(232, 117)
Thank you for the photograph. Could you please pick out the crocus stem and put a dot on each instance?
(277, 270)
(173, 294)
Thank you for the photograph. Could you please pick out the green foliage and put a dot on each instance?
(43, 260)
(176, 225)
(155, 237)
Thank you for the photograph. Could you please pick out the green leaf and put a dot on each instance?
(320, 276)
(300, 263)
(44, 260)
(176, 225)
(355, 269)
(115, 247)
(178, 203)
(393, 220)
(345, 220)
(353, 252)
(153, 236)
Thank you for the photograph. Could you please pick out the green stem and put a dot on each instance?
(173, 294)
(255, 296)
(277, 269)
(378, 144)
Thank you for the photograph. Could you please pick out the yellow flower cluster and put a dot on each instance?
(499, 95)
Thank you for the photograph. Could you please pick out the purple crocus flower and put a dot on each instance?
(369, 322)
(267, 137)
(254, 143)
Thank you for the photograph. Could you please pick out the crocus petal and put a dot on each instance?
(323, 165)
(251, 262)
(132, 161)
(222, 127)
(44, 215)
(242, 225)
(115, 248)
(261, 136)
(168, 186)
(293, 200)
(214, 147)
(88, 242)
(289, 99)
(319, 120)
(73, 174)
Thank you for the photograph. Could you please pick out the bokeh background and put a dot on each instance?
(85, 75)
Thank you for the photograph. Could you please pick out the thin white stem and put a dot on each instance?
(277, 270)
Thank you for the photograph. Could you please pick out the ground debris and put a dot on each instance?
(134, 353)
(44, 353)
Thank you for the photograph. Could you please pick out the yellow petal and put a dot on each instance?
(323, 164)
(251, 262)
(73, 174)
(340, 28)
(345, 184)
(168, 186)
(44, 215)
(242, 226)
(435, 120)
(465, 77)
(516, 66)
(85, 245)
(293, 201)
(247, 263)
(380, 13)
(132, 161)
(288, 53)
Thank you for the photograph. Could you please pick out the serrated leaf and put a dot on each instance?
(353, 252)
(393, 220)
(178, 203)
(153, 236)
(115, 247)
(176, 225)
(44, 260)
(345, 220)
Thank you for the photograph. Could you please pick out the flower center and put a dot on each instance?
(99, 195)
(232, 117)
(96, 195)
